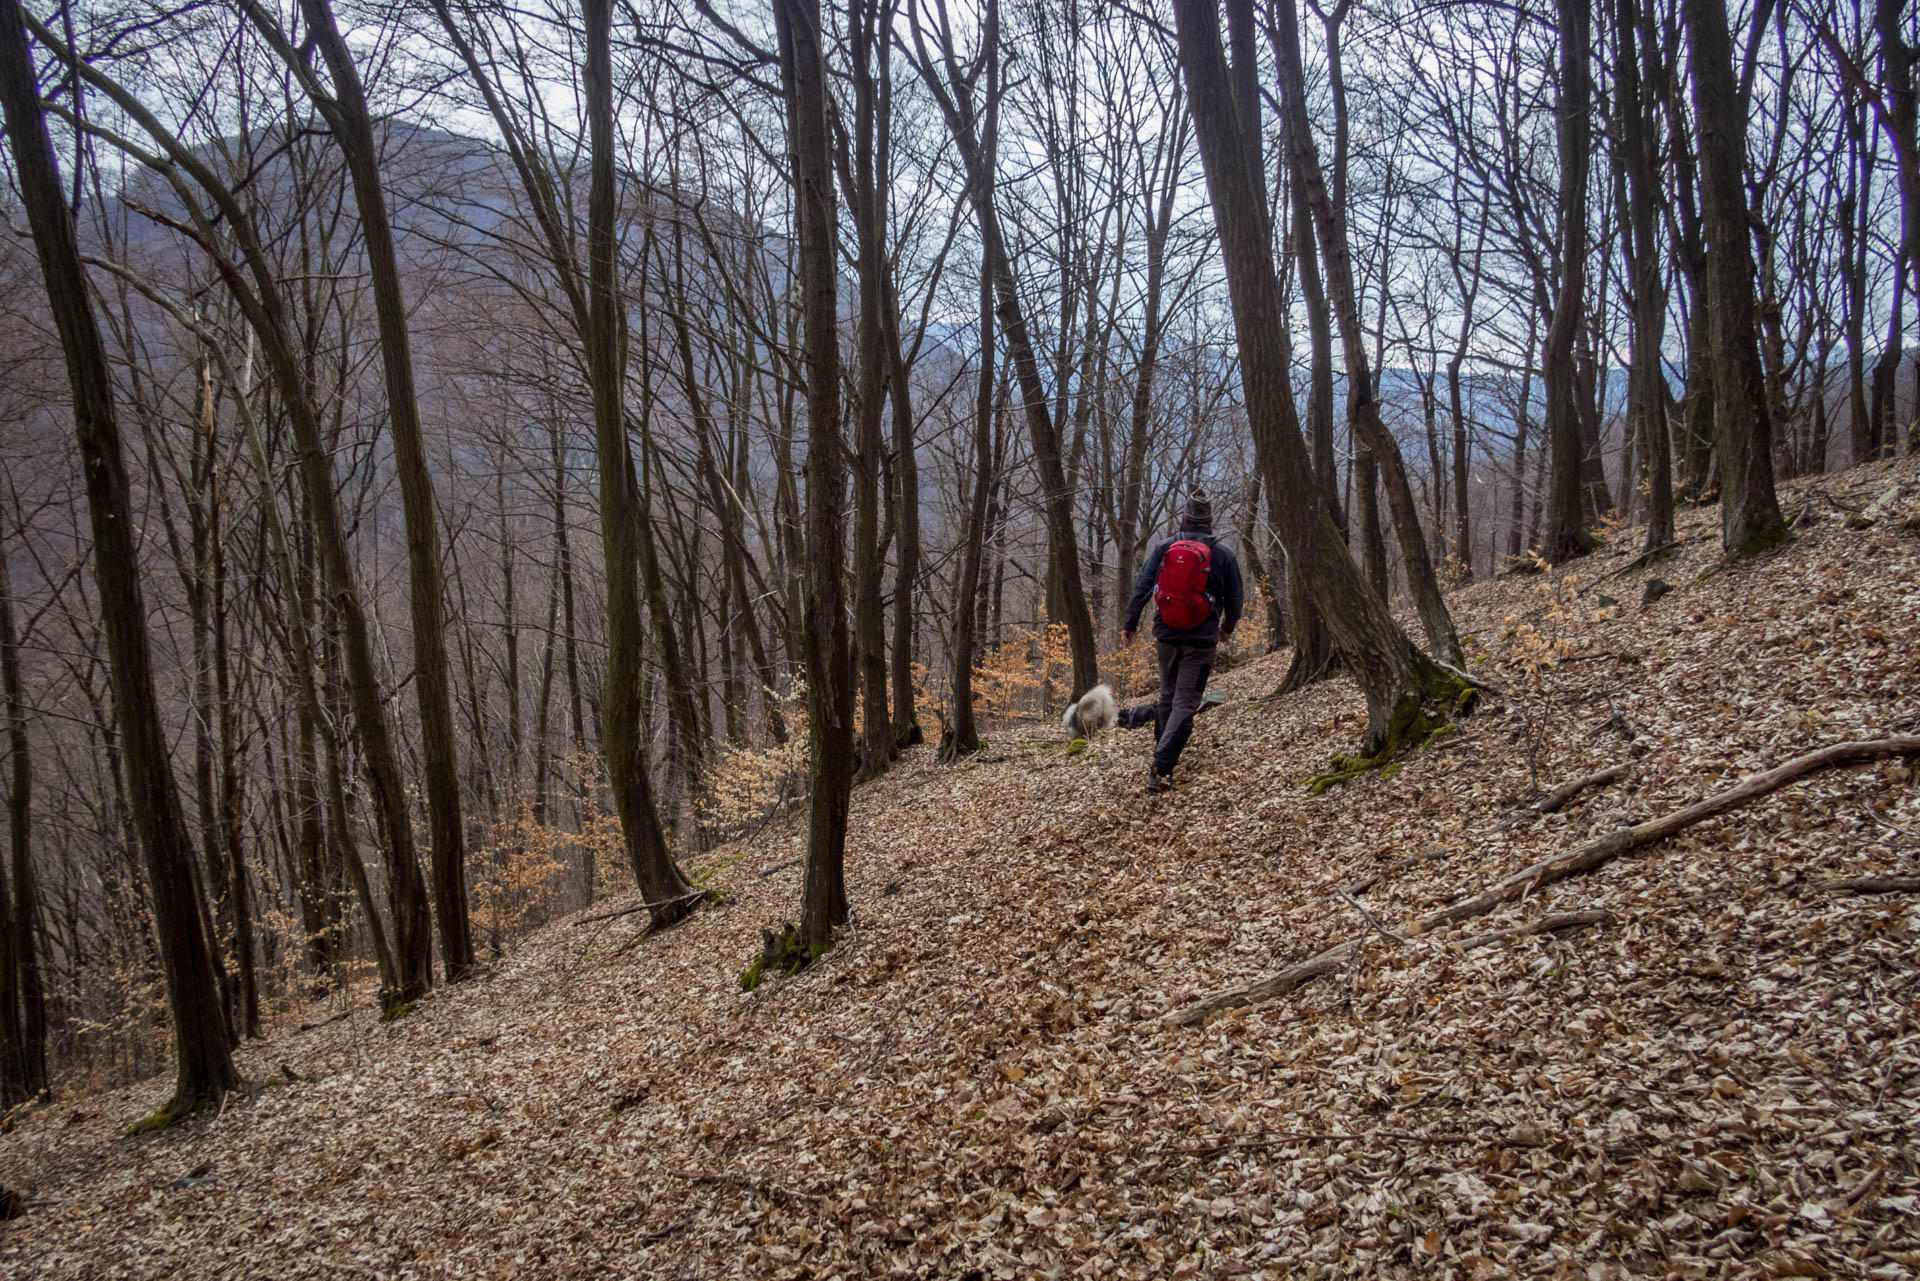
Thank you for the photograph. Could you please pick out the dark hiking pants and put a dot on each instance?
(1183, 679)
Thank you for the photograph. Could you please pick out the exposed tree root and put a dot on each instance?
(1586, 858)
(666, 912)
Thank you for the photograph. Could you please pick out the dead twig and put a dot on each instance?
(1585, 858)
(1372, 920)
(1366, 883)
(1556, 799)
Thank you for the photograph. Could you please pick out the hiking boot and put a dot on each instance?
(1156, 781)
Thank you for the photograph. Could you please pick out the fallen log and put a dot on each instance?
(1872, 885)
(1586, 858)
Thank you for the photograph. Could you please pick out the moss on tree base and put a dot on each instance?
(175, 1111)
(788, 952)
(1764, 539)
(1418, 718)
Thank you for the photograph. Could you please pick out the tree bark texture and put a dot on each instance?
(203, 1065)
(654, 871)
(1750, 519)
(1225, 111)
(1567, 535)
(825, 643)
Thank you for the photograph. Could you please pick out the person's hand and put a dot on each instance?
(1226, 633)
(1126, 638)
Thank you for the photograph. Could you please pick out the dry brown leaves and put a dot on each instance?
(1721, 1079)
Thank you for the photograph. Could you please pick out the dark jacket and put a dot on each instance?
(1223, 590)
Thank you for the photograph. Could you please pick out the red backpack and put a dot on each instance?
(1180, 591)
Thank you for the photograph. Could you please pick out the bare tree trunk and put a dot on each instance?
(23, 1008)
(955, 94)
(1226, 115)
(203, 1065)
(1567, 535)
(1855, 224)
(1898, 61)
(1129, 538)
(825, 644)
(1885, 436)
(662, 887)
(1646, 379)
(1468, 283)
(1750, 519)
(962, 736)
(866, 199)
(230, 784)
(1250, 540)
(347, 115)
(906, 722)
(1314, 656)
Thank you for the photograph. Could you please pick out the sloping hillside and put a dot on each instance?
(1719, 1077)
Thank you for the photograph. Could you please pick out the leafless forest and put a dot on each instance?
(416, 509)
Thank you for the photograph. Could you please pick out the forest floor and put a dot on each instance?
(1720, 1078)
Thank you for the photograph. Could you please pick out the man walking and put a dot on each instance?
(1194, 581)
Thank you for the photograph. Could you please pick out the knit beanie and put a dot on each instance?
(1199, 513)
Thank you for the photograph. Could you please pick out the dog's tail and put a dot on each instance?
(1094, 711)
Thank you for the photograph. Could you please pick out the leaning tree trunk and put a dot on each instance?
(1363, 407)
(955, 95)
(1742, 437)
(825, 644)
(203, 1065)
(1226, 109)
(351, 122)
(665, 891)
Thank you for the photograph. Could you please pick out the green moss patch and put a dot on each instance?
(1418, 718)
(787, 952)
(174, 1112)
(1765, 539)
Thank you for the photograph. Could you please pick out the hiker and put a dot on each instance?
(1194, 581)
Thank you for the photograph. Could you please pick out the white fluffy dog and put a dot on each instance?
(1094, 711)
